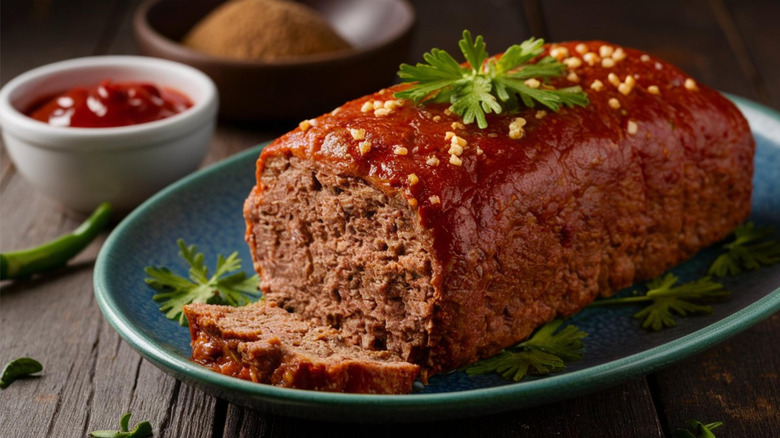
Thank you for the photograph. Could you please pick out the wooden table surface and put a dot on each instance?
(92, 377)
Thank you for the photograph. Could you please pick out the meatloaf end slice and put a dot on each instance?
(266, 344)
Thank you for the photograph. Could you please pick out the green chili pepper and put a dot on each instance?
(23, 366)
(56, 253)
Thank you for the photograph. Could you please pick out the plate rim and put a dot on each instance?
(492, 399)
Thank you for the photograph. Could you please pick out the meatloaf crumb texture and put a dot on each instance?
(361, 255)
(265, 344)
(362, 221)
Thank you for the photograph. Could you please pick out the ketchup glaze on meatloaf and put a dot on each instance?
(444, 243)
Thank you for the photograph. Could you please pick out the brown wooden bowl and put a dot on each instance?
(378, 30)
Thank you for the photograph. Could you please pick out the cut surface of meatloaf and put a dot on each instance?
(368, 220)
(264, 343)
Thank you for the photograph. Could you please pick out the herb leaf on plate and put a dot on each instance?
(667, 299)
(750, 250)
(544, 353)
(225, 286)
(487, 85)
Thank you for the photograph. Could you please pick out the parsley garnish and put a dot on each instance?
(141, 430)
(666, 299)
(484, 87)
(220, 288)
(544, 353)
(18, 368)
(746, 251)
(700, 430)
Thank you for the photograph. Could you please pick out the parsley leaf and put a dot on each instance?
(141, 430)
(666, 300)
(747, 251)
(700, 430)
(18, 368)
(487, 85)
(224, 287)
(544, 353)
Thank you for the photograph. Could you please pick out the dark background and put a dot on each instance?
(731, 45)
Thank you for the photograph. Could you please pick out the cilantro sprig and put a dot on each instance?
(750, 250)
(668, 299)
(544, 353)
(487, 85)
(141, 430)
(224, 287)
(699, 430)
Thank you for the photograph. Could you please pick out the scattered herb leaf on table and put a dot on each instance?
(141, 430)
(17, 368)
(699, 430)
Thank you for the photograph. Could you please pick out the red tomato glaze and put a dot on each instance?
(110, 104)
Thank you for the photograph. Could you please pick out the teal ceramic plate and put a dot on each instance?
(205, 209)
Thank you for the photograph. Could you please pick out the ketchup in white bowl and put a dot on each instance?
(109, 104)
(119, 140)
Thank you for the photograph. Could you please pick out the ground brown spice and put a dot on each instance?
(263, 30)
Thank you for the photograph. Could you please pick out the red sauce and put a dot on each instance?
(110, 104)
(218, 355)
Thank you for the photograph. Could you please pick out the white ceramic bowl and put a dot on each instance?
(82, 167)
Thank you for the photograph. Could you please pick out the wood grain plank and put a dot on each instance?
(173, 409)
(737, 44)
(193, 414)
(532, 10)
(39, 32)
(55, 320)
(121, 381)
(686, 34)
(6, 167)
(624, 411)
(42, 318)
(737, 383)
(440, 23)
(123, 42)
(117, 367)
(155, 397)
(756, 23)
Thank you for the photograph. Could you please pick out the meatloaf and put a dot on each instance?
(408, 231)
(264, 343)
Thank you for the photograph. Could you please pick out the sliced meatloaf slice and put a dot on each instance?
(266, 344)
